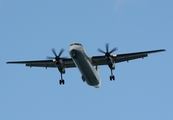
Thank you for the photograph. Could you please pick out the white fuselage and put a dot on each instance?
(83, 63)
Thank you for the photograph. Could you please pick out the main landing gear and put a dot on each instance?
(61, 81)
(112, 77)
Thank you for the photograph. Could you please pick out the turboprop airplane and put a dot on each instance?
(88, 66)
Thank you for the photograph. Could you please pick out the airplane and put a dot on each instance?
(88, 66)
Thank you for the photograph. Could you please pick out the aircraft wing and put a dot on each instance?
(101, 60)
(68, 62)
(96, 60)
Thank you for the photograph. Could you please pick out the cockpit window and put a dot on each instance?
(76, 44)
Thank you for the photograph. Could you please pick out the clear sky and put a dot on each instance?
(143, 89)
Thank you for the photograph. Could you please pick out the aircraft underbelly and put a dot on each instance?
(86, 69)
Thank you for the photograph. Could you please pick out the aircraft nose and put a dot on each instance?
(72, 51)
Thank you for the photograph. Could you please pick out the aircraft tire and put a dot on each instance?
(61, 82)
(110, 78)
(113, 77)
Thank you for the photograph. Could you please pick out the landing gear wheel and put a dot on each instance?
(61, 82)
(112, 77)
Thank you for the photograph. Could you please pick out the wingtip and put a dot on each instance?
(9, 62)
(163, 50)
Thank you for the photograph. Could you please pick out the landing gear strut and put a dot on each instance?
(112, 77)
(61, 81)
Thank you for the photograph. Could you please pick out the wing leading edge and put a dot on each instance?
(45, 63)
(101, 60)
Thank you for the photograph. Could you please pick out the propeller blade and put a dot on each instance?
(62, 50)
(114, 49)
(54, 52)
(57, 57)
(50, 57)
(101, 51)
(107, 47)
(107, 53)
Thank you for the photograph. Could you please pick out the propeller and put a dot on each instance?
(57, 57)
(107, 53)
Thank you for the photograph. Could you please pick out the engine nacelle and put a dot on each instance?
(63, 70)
(111, 63)
(61, 66)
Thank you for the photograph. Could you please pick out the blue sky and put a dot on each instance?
(143, 88)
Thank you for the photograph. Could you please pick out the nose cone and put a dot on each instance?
(75, 48)
(71, 50)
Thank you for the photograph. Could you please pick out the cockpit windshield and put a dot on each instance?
(76, 44)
